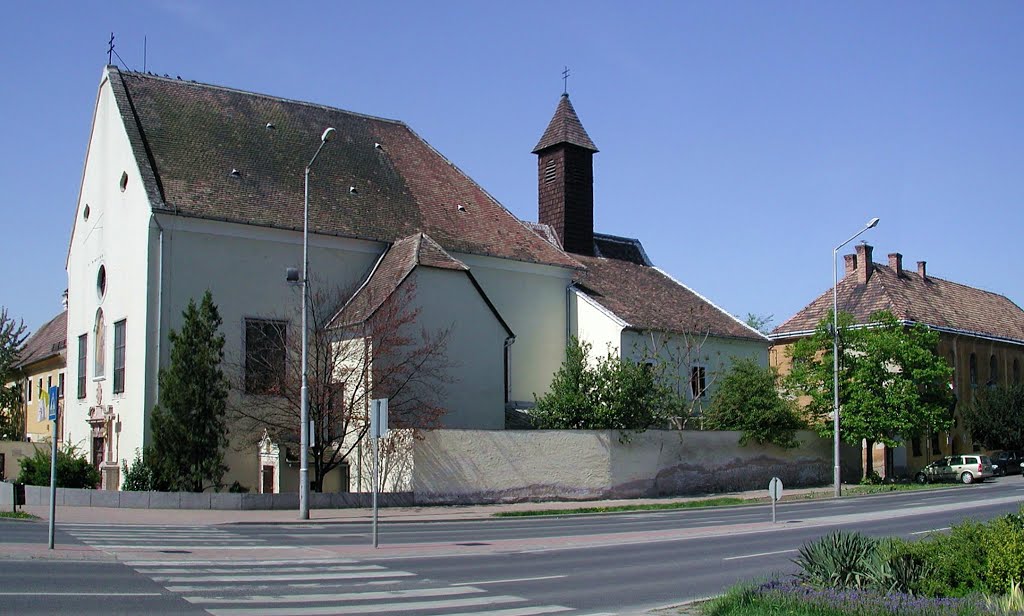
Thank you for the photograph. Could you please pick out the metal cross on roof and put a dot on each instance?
(565, 80)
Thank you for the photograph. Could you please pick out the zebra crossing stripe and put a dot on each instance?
(247, 569)
(142, 565)
(520, 611)
(343, 596)
(362, 609)
(303, 577)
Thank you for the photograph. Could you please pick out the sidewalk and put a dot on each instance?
(202, 517)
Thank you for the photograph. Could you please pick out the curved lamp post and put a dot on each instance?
(835, 355)
(304, 412)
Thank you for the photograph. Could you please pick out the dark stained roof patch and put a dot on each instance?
(931, 301)
(188, 136)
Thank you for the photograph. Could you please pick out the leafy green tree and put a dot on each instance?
(189, 429)
(139, 477)
(892, 383)
(615, 394)
(760, 322)
(748, 400)
(73, 469)
(12, 341)
(570, 401)
(996, 418)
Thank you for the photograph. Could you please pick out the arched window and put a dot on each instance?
(993, 371)
(99, 340)
(974, 370)
(952, 374)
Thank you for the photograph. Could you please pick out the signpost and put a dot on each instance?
(54, 397)
(378, 428)
(775, 493)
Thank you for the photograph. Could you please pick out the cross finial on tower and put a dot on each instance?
(110, 49)
(565, 81)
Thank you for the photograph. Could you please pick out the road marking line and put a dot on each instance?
(527, 579)
(934, 530)
(248, 569)
(524, 611)
(80, 594)
(149, 548)
(759, 554)
(362, 609)
(376, 595)
(225, 563)
(281, 578)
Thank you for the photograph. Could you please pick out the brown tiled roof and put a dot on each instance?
(391, 269)
(644, 297)
(47, 341)
(565, 127)
(212, 152)
(931, 301)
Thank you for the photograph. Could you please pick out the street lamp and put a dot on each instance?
(304, 413)
(835, 354)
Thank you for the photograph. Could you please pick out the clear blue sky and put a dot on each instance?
(740, 141)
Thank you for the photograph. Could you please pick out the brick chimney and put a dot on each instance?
(864, 259)
(921, 271)
(565, 180)
(851, 264)
(896, 263)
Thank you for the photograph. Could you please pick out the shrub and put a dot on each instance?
(73, 469)
(748, 400)
(139, 477)
(956, 562)
(1005, 545)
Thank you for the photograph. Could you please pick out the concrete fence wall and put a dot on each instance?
(472, 466)
(69, 497)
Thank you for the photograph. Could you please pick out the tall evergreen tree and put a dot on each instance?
(12, 341)
(189, 429)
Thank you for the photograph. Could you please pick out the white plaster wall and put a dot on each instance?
(244, 268)
(468, 466)
(116, 236)
(532, 300)
(447, 299)
(716, 355)
(596, 326)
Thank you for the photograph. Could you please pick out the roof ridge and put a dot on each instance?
(281, 99)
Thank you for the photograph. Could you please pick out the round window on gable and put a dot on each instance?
(124, 180)
(101, 282)
(85, 212)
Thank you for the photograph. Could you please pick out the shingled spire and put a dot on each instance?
(565, 179)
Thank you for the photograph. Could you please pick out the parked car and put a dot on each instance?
(965, 468)
(1008, 462)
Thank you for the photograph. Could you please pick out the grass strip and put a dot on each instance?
(727, 501)
(724, 501)
(18, 515)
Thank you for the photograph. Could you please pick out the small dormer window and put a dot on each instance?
(124, 180)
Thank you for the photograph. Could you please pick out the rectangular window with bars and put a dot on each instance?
(119, 344)
(83, 342)
(265, 354)
(698, 384)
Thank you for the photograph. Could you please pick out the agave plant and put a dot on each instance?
(839, 560)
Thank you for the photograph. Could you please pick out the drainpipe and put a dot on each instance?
(159, 308)
(509, 341)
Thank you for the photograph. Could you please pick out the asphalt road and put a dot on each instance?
(619, 563)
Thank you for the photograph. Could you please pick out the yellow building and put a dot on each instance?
(41, 366)
(981, 335)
